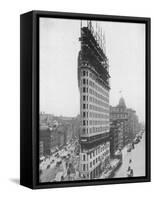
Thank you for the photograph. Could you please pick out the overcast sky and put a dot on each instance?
(59, 47)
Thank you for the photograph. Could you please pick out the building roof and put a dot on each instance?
(122, 103)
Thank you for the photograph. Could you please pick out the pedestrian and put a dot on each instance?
(128, 169)
(62, 178)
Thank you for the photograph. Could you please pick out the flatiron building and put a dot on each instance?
(93, 81)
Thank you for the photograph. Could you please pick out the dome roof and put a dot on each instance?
(122, 103)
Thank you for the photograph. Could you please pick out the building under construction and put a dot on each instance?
(93, 81)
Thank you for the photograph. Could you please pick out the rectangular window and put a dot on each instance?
(84, 167)
(84, 114)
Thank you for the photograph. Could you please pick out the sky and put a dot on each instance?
(59, 48)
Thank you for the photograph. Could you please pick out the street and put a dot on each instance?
(53, 172)
(137, 156)
(58, 165)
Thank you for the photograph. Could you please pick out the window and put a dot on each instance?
(84, 167)
(84, 157)
(84, 114)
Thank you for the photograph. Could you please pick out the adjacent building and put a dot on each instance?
(128, 121)
(45, 141)
(46, 119)
(93, 81)
(116, 137)
(52, 139)
(57, 131)
(133, 124)
(120, 113)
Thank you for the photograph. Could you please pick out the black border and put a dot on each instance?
(35, 97)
